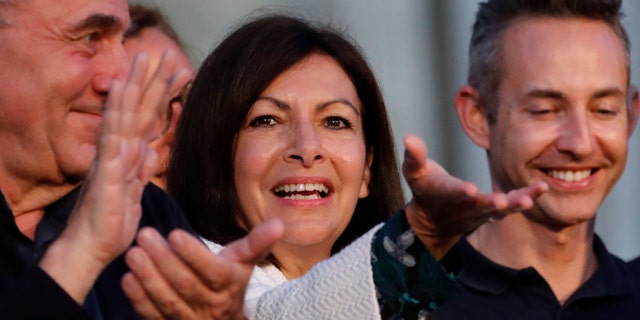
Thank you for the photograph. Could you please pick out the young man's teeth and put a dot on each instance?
(570, 176)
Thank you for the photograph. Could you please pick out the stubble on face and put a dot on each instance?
(561, 115)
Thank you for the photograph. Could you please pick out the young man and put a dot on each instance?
(549, 100)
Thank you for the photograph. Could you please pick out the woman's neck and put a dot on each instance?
(294, 261)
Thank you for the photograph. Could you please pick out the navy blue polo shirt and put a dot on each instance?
(27, 292)
(492, 291)
(411, 284)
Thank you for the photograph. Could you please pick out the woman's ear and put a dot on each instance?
(366, 176)
(472, 116)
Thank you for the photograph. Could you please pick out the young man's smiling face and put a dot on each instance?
(562, 115)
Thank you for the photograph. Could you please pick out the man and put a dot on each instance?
(549, 100)
(63, 89)
(152, 34)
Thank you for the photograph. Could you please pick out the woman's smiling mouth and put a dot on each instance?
(301, 191)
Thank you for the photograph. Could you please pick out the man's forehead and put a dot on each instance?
(535, 44)
(82, 12)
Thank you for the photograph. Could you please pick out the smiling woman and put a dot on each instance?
(285, 120)
(299, 137)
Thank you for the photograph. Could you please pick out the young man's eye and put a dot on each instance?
(607, 111)
(338, 123)
(540, 112)
(263, 121)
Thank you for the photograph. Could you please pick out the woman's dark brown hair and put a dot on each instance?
(233, 76)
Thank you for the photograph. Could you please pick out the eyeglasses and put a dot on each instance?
(182, 95)
(181, 98)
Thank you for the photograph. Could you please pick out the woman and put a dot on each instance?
(278, 105)
(285, 120)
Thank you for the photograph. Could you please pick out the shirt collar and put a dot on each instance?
(480, 273)
(54, 221)
(6, 216)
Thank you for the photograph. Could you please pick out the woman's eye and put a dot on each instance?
(338, 123)
(263, 121)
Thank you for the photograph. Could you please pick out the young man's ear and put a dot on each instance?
(472, 116)
(633, 108)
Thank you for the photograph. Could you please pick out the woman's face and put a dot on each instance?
(300, 155)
